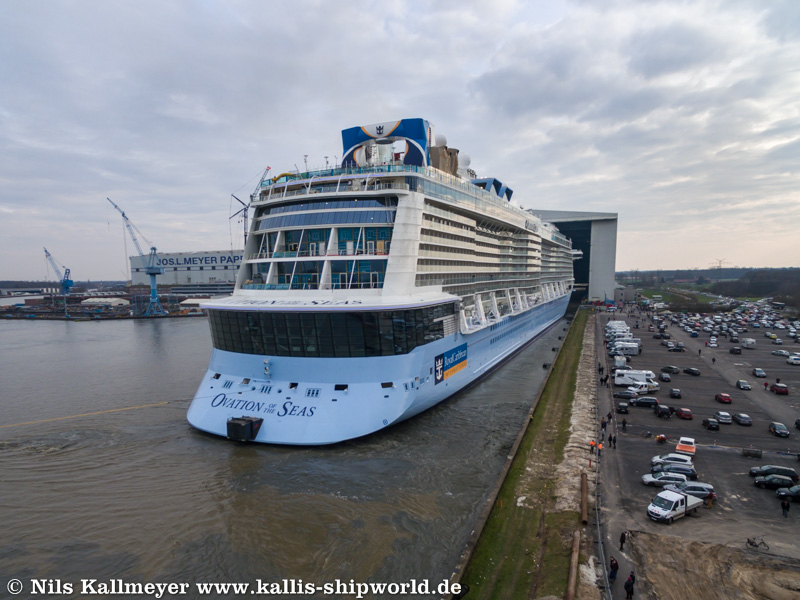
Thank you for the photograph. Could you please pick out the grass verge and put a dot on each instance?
(524, 549)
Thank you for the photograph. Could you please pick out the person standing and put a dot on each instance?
(603, 424)
(629, 586)
(624, 425)
(599, 450)
(591, 447)
(613, 440)
(622, 538)
(785, 508)
(766, 385)
(612, 571)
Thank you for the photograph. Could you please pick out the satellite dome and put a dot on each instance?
(440, 140)
(464, 160)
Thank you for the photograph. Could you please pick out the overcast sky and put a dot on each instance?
(682, 117)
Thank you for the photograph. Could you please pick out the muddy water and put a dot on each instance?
(138, 494)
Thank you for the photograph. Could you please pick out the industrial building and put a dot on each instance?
(594, 234)
(189, 273)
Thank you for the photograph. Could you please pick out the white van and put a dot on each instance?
(643, 387)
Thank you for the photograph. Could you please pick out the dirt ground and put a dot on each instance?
(676, 569)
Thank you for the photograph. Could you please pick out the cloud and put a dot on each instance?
(677, 115)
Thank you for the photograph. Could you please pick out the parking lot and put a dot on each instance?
(741, 510)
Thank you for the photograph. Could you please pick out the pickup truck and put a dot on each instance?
(670, 505)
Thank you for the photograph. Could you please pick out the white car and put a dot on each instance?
(671, 458)
(662, 479)
(793, 360)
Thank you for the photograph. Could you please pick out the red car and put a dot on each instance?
(684, 413)
(723, 398)
(779, 388)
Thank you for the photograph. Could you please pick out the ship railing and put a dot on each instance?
(280, 188)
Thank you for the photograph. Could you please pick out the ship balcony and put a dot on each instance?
(307, 254)
(314, 285)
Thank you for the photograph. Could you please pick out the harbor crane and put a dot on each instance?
(152, 269)
(66, 282)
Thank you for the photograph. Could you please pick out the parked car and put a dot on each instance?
(646, 401)
(711, 424)
(742, 419)
(735, 350)
(743, 384)
(797, 423)
(723, 398)
(781, 353)
(674, 393)
(622, 408)
(664, 377)
(759, 372)
(793, 360)
(723, 418)
(765, 470)
(625, 395)
(677, 349)
(684, 413)
(779, 388)
(671, 457)
(670, 369)
(663, 478)
(692, 371)
(698, 489)
(772, 482)
(662, 412)
(792, 494)
(687, 470)
(778, 429)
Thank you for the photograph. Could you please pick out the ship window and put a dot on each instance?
(327, 334)
(293, 385)
(387, 384)
(340, 387)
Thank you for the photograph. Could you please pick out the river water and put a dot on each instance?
(128, 490)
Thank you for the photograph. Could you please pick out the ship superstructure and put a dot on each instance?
(373, 291)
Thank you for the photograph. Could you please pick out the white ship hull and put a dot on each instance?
(292, 416)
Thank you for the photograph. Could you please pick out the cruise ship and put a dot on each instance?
(374, 290)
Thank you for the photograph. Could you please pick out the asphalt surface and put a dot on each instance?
(741, 510)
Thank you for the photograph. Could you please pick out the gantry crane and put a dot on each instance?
(154, 307)
(66, 282)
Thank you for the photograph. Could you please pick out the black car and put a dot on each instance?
(778, 429)
(625, 395)
(735, 350)
(677, 349)
(622, 408)
(687, 470)
(772, 482)
(646, 401)
(742, 419)
(765, 470)
(692, 371)
(675, 393)
(656, 336)
(711, 424)
(797, 424)
(670, 369)
(792, 494)
(662, 412)
(664, 377)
